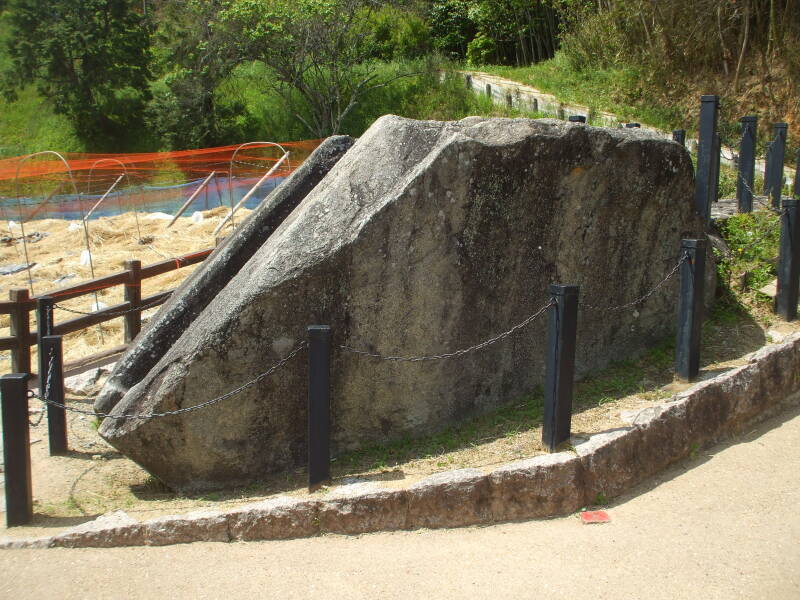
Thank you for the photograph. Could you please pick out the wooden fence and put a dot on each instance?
(20, 305)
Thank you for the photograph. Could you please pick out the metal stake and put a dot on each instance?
(319, 406)
(560, 365)
(679, 135)
(690, 309)
(16, 449)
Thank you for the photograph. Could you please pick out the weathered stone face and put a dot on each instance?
(200, 288)
(425, 238)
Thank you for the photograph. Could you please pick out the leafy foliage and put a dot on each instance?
(90, 58)
(516, 32)
(318, 51)
(197, 54)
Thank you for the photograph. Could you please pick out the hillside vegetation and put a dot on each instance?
(124, 75)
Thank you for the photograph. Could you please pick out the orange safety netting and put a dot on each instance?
(34, 186)
(192, 163)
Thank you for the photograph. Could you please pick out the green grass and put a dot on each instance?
(620, 91)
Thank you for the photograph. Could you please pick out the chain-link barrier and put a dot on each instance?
(118, 313)
(641, 299)
(180, 411)
(461, 352)
(48, 381)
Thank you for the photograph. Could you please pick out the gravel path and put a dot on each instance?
(722, 525)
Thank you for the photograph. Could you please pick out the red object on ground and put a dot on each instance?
(594, 516)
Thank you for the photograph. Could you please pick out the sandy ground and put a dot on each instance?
(112, 240)
(721, 525)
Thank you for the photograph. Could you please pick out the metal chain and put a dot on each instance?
(180, 411)
(117, 313)
(39, 420)
(46, 389)
(641, 299)
(461, 352)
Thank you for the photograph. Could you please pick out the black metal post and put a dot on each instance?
(52, 389)
(773, 173)
(715, 158)
(577, 119)
(690, 309)
(319, 406)
(788, 262)
(560, 365)
(44, 326)
(704, 186)
(797, 176)
(679, 135)
(747, 164)
(16, 449)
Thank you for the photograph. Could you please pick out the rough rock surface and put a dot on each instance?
(199, 289)
(426, 237)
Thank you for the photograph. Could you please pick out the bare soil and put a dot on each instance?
(112, 241)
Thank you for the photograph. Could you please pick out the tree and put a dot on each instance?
(196, 55)
(318, 51)
(90, 58)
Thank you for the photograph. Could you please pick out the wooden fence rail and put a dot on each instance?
(20, 305)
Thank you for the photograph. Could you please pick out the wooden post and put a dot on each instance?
(16, 449)
(788, 263)
(319, 406)
(51, 387)
(704, 185)
(20, 329)
(133, 294)
(690, 310)
(560, 365)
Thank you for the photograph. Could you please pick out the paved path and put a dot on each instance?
(723, 525)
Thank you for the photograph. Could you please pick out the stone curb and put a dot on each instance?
(607, 463)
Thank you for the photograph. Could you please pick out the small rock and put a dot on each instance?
(776, 336)
(771, 289)
(86, 383)
(96, 457)
(11, 269)
(64, 278)
(36, 236)
(160, 216)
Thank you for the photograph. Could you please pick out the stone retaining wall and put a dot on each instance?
(549, 485)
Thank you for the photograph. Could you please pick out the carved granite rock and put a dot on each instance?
(426, 237)
(200, 287)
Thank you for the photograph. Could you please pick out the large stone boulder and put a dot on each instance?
(217, 270)
(425, 238)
